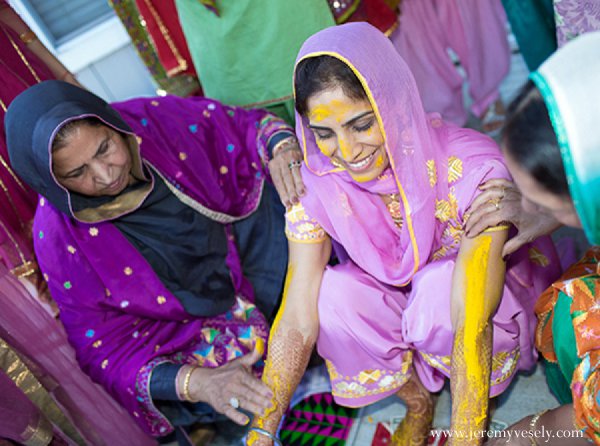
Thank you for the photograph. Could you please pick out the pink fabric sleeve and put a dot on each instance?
(301, 228)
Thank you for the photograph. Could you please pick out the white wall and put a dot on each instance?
(102, 58)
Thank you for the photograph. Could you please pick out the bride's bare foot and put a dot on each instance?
(416, 425)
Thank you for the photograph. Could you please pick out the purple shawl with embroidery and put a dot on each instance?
(436, 167)
(117, 313)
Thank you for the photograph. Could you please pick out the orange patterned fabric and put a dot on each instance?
(581, 283)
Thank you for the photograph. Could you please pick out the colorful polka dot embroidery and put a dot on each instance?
(224, 170)
(128, 271)
(161, 300)
(230, 148)
(67, 285)
(182, 156)
(144, 122)
(193, 128)
(94, 231)
(231, 113)
(211, 106)
(90, 333)
(41, 234)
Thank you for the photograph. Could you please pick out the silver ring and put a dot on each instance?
(234, 402)
(294, 163)
(497, 204)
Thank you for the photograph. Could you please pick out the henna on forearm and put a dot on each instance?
(289, 353)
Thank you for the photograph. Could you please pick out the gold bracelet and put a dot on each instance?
(285, 145)
(27, 37)
(532, 425)
(186, 384)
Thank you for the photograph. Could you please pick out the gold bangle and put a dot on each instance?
(284, 145)
(27, 37)
(186, 384)
(532, 425)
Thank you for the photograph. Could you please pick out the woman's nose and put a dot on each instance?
(102, 174)
(346, 145)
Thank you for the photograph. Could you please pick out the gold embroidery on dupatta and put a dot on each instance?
(432, 172)
(455, 169)
(446, 211)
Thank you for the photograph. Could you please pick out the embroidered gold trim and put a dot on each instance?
(183, 65)
(354, 386)
(39, 435)
(15, 243)
(18, 371)
(12, 173)
(213, 215)
(506, 362)
(455, 169)
(22, 56)
(431, 172)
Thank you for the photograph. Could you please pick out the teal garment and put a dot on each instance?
(559, 375)
(532, 23)
(245, 55)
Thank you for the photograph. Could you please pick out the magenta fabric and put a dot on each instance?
(388, 300)
(18, 201)
(37, 337)
(476, 31)
(117, 313)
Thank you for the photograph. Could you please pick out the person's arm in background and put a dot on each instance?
(294, 333)
(10, 18)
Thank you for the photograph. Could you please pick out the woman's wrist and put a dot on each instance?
(184, 385)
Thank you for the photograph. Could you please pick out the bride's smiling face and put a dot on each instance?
(347, 131)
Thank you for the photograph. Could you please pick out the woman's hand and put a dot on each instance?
(220, 386)
(285, 172)
(500, 202)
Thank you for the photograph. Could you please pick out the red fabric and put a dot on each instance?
(376, 12)
(155, 13)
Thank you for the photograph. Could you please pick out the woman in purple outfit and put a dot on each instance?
(161, 242)
(412, 301)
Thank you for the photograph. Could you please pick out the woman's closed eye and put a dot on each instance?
(75, 173)
(323, 134)
(363, 126)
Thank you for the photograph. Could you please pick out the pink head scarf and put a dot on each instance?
(412, 140)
